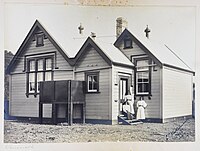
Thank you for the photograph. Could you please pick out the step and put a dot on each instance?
(135, 123)
(125, 121)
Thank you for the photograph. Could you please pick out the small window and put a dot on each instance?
(39, 40)
(92, 80)
(127, 43)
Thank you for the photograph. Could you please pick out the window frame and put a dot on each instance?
(135, 60)
(39, 35)
(87, 74)
(125, 43)
(36, 72)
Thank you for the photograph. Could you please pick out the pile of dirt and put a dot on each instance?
(26, 132)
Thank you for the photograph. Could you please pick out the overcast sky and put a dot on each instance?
(173, 26)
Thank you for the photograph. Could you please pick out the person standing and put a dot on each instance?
(141, 105)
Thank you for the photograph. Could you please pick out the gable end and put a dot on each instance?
(28, 38)
(90, 43)
(126, 33)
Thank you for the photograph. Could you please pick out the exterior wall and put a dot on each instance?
(135, 50)
(177, 93)
(20, 105)
(98, 105)
(118, 72)
(154, 108)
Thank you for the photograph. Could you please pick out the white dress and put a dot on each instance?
(140, 111)
(128, 106)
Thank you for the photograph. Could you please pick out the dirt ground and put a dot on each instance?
(27, 132)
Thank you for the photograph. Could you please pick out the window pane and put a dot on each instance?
(49, 64)
(40, 64)
(39, 76)
(48, 76)
(31, 77)
(94, 78)
(39, 79)
(143, 87)
(31, 87)
(92, 83)
(142, 65)
(31, 82)
(143, 76)
(142, 82)
(32, 65)
(95, 85)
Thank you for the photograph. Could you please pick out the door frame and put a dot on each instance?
(123, 78)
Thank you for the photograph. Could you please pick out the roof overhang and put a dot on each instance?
(125, 33)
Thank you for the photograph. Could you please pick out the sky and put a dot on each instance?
(173, 26)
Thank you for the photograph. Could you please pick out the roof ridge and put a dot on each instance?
(178, 57)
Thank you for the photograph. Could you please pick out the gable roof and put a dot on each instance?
(108, 51)
(27, 39)
(161, 54)
(104, 49)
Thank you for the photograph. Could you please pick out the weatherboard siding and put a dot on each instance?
(98, 105)
(177, 93)
(154, 108)
(118, 72)
(128, 52)
(90, 60)
(21, 105)
(48, 47)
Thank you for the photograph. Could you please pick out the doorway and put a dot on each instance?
(123, 88)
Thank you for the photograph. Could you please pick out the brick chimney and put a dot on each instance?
(121, 24)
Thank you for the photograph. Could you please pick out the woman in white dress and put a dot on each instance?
(128, 104)
(141, 105)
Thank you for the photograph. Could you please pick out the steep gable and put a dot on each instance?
(28, 41)
(108, 52)
(160, 54)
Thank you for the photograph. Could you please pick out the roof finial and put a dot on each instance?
(81, 28)
(147, 31)
(93, 35)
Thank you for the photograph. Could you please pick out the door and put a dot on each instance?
(123, 88)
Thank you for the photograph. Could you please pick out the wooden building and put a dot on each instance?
(109, 71)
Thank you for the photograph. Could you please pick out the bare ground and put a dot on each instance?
(26, 132)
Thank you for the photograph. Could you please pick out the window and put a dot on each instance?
(142, 77)
(127, 43)
(38, 69)
(92, 80)
(39, 40)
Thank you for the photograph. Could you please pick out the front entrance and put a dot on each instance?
(123, 88)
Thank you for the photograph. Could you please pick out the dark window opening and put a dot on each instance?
(92, 80)
(39, 40)
(128, 43)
